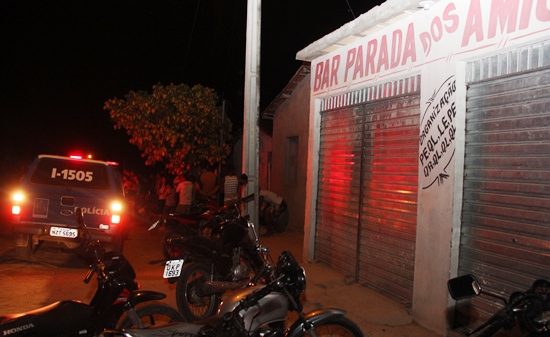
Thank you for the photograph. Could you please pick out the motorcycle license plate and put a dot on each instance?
(173, 268)
(64, 232)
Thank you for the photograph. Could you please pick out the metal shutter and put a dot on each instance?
(367, 196)
(505, 235)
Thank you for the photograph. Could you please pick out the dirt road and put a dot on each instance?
(56, 274)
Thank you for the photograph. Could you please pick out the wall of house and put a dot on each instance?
(437, 44)
(266, 147)
(292, 120)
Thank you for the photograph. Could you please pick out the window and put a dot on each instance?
(291, 160)
(71, 173)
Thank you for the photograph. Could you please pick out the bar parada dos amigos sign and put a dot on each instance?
(457, 27)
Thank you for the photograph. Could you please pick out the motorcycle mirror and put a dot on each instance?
(154, 225)
(79, 216)
(464, 286)
(80, 221)
(248, 198)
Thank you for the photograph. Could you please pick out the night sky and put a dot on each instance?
(61, 60)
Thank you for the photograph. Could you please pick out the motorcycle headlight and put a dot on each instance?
(294, 274)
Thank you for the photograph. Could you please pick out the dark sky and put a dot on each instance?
(61, 60)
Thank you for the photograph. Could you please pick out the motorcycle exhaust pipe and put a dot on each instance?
(214, 287)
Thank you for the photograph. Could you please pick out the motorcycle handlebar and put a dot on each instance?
(494, 327)
(518, 307)
(89, 275)
(253, 298)
(248, 198)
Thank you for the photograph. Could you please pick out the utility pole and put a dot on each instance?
(251, 128)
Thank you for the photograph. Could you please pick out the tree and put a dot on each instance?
(177, 125)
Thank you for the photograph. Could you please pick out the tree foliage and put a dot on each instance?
(177, 125)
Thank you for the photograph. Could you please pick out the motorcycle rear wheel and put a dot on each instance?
(190, 305)
(335, 327)
(153, 314)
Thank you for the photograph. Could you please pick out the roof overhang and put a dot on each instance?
(375, 19)
(286, 93)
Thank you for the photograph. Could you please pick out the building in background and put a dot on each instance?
(429, 150)
(289, 112)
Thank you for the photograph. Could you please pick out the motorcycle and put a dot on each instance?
(530, 308)
(262, 311)
(227, 256)
(114, 305)
(183, 225)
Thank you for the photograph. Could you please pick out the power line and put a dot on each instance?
(351, 10)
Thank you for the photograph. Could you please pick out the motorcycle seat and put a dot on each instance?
(204, 246)
(53, 320)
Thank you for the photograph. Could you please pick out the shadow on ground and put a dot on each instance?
(48, 254)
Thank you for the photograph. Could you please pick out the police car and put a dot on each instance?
(53, 189)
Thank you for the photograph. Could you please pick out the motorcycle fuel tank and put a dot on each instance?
(271, 308)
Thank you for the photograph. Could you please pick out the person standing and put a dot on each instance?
(171, 200)
(185, 190)
(230, 187)
(161, 191)
(208, 185)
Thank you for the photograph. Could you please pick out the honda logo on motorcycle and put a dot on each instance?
(18, 329)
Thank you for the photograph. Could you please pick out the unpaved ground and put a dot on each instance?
(57, 274)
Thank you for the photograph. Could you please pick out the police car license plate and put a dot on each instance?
(173, 268)
(64, 232)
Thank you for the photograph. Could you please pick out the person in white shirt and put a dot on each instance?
(273, 211)
(186, 191)
(230, 187)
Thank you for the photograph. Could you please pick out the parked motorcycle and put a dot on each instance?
(263, 311)
(184, 225)
(226, 256)
(530, 308)
(114, 305)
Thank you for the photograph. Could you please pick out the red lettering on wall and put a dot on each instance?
(383, 57)
(334, 70)
(525, 14)
(543, 13)
(324, 78)
(371, 52)
(410, 47)
(437, 29)
(396, 48)
(474, 24)
(505, 12)
(350, 62)
(452, 18)
(318, 74)
(359, 64)
(326, 74)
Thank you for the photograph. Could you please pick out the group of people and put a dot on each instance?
(187, 191)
